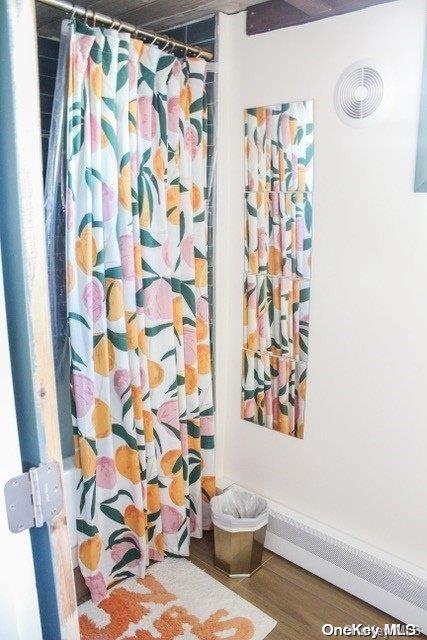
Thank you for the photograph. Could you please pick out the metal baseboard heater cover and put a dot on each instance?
(33, 498)
(386, 576)
(379, 578)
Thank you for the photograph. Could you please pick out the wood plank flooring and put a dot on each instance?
(299, 601)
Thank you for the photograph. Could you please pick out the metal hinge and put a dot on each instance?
(33, 498)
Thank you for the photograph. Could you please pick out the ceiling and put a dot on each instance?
(157, 15)
(161, 15)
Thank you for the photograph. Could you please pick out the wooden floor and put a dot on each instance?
(299, 601)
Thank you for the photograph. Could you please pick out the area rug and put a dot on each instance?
(175, 601)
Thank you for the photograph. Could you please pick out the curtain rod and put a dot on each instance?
(115, 23)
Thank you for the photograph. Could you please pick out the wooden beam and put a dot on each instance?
(278, 14)
(315, 8)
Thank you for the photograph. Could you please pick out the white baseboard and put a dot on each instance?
(382, 580)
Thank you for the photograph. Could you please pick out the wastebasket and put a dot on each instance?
(240, 522)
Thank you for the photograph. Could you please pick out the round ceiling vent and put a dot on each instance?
(359, 94)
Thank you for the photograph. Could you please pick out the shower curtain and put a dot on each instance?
(137, 302)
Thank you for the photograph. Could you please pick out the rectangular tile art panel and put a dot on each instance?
(278, 227)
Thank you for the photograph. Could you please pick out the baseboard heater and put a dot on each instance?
(382, 580)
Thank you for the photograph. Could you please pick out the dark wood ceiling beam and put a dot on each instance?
(277, 14)
(315, 8)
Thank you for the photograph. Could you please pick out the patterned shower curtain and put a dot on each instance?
(137, 303)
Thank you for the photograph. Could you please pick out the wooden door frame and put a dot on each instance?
(19, 606)
(22, 230)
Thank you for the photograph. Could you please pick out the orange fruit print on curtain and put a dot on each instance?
(137, 303)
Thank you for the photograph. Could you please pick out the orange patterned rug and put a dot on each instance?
(175, 601)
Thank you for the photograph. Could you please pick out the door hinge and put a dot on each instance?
(33, 498)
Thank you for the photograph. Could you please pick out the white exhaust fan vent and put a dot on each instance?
(359, 94)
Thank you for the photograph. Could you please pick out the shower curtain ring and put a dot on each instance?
(199, 55)
(88, 13)
(120, 27)
(94, 19)
(73, 11)
(113, 23)
(166, 45)
(154, 40)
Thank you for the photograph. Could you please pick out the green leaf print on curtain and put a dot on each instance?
(278, 224)
(137, 303)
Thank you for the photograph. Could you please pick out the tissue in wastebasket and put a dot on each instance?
(239, 510)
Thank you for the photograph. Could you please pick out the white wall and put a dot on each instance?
(361, 467)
